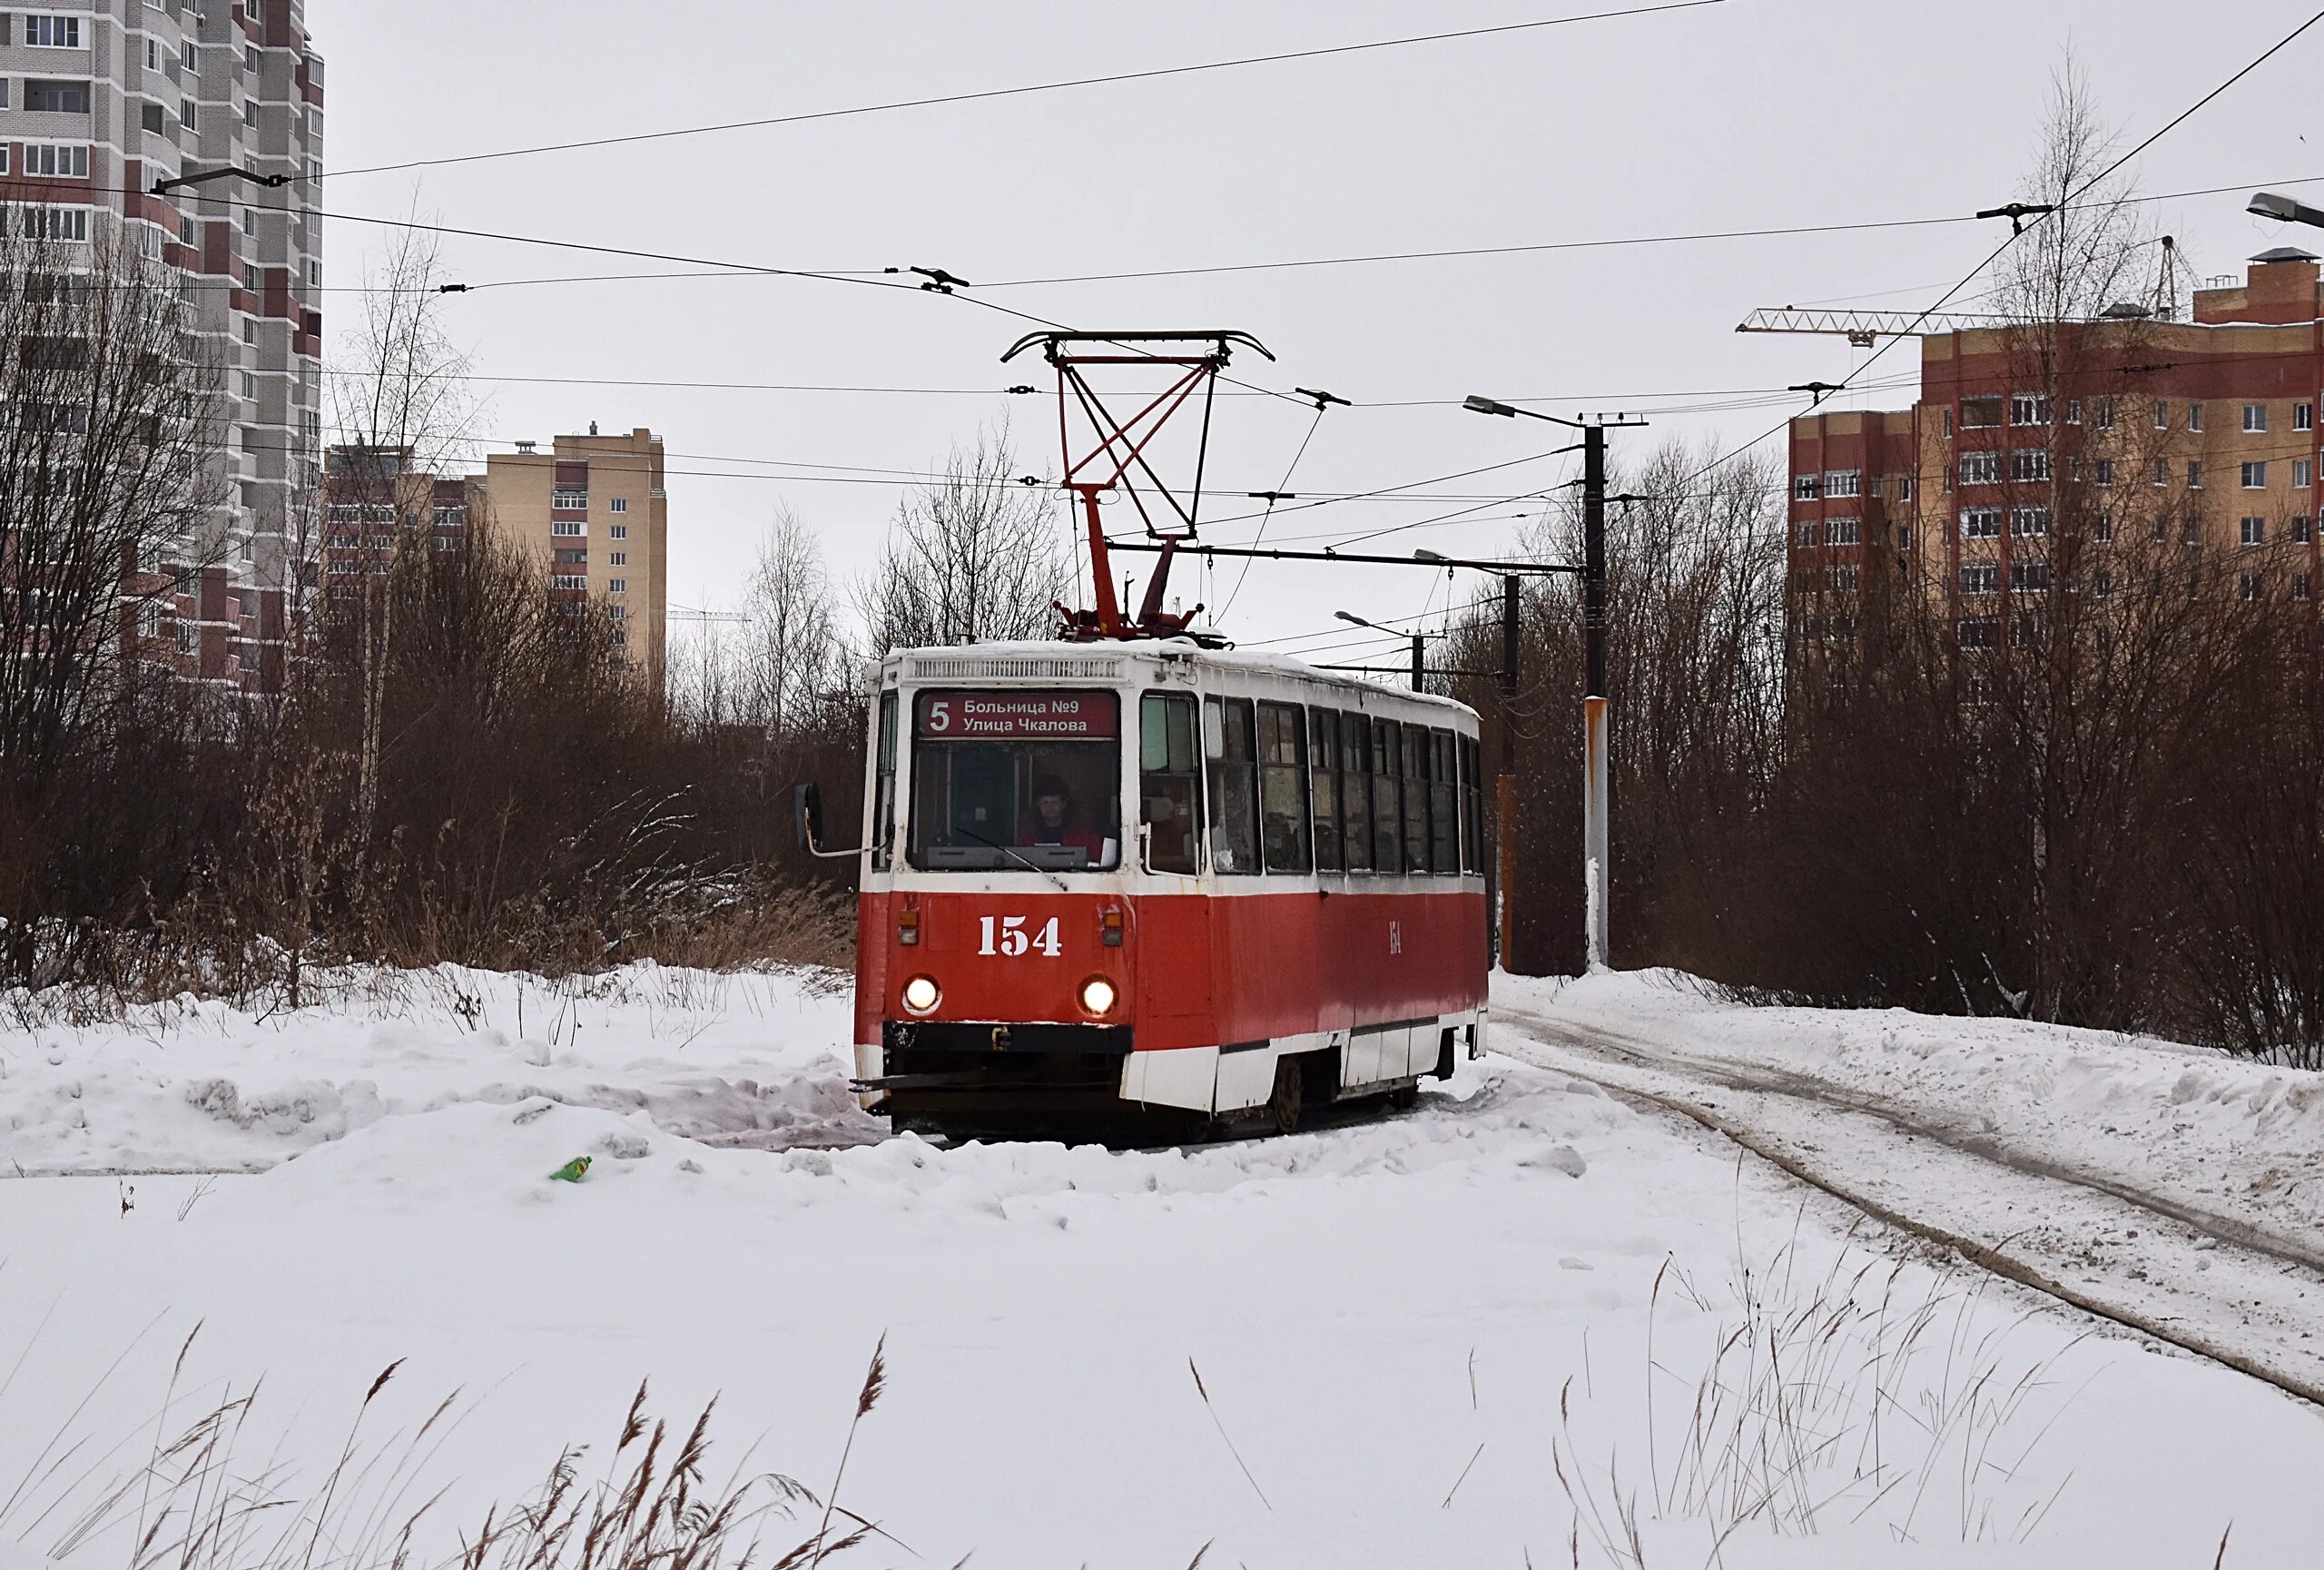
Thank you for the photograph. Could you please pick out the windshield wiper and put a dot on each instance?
(1009, 851)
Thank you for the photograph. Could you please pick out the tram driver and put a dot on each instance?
(1056, 819)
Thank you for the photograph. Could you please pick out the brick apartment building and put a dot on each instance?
(592, 511)
(97, 102)
(593, 507)
(2204, 431)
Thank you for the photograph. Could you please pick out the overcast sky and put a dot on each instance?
(1746, 115)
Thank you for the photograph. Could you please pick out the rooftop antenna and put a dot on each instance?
(2166, 288)
(1117, 458)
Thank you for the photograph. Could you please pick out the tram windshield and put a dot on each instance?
(1016, 779)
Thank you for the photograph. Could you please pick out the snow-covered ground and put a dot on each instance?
(1405, 1329)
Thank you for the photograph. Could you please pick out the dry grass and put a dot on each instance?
(205, 1497)
(1852, 1397)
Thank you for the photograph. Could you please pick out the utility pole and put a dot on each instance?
(1594, 780)
(1505, 788)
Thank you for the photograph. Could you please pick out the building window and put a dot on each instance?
(1980, 578)
(52, 222)
(2163, 471)
(2029, 463)
(1843, 531)
(185, 637)
(2303, 473)
(2194, 474)
(53, 32)
(1904, 538)
(2255, 417)
(2249, 584)
(617, 586)
(56, 97)
(2105, 468)
(2029, 522)
(2073, 411)
(2161, 415)
(1808, 535)
(2029, 577)
(619, 531)
(1977, 631)
(155, 120)
(59, 159)
(450, 515)
(2303, 417)
(2105, 414)
(1844, 482)
(1903, 487)
(618, 558)
(1948, 423)
(2302, 528)
(2299, 586)
(2105, 529)
(573, 559)
(2255, 531)
(570, 500)
(619, 504)
(2255, 476)
(2101, 583)
(1980, 414)
(568, 526)
(1981, 469)
(1981, 523)
(2029, 409)
(2195, 417)
(149, 620)
(185, 112)
(1806, 487)
(568, 580)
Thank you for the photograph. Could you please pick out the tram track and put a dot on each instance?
(2214, 1287)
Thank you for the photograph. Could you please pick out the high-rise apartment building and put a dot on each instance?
(2034, 456)
(594, 509)
(98, 102)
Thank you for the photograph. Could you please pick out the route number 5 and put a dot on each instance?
(940, 716)
(1014, 940)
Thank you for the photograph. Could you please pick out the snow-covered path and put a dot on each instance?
(1404, 1327)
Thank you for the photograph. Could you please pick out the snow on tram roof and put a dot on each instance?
(1049, 659)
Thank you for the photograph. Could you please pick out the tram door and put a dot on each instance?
(1175, 972)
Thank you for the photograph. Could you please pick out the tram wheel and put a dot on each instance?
(1282, 1106)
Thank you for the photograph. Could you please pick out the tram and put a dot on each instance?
(1146, 880)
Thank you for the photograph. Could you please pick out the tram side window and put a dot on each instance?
(1472, 821)
(1416, 762)
(1387, 814)
(1228, 748)
(1324, 725)
(1168, 769)
(883, 791)
(1355, 790)
(1282, 787)
(1443, 804)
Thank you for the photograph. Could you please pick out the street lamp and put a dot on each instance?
(2267, 204)
(1594, 780)
(1420, 683)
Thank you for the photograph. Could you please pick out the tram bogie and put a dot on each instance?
(1141, 882)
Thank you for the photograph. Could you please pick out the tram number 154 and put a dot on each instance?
(1013, 940)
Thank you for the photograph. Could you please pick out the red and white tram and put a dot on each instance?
(1108, 880)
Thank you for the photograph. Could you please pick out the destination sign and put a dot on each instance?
(1020, 716)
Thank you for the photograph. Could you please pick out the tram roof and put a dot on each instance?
(1052, 659)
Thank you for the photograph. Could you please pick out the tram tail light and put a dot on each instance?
(1109, 926)
(1098, 995)
(908, 927)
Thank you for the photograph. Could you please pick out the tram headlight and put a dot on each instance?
(921, 995)
(1098, 995)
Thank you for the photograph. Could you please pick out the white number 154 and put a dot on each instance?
(1014, 940)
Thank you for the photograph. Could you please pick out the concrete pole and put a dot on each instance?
(1594, 780)
(1505, 788)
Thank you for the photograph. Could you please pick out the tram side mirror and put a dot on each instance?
(807, 815)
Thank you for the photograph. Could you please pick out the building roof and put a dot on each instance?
(2286, 253)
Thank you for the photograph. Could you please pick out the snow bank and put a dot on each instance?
(752, 1060)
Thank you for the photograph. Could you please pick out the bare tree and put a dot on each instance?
(791, 644)
(400, 408)
(974, 556)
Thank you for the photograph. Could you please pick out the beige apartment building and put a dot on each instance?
(594, 508)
